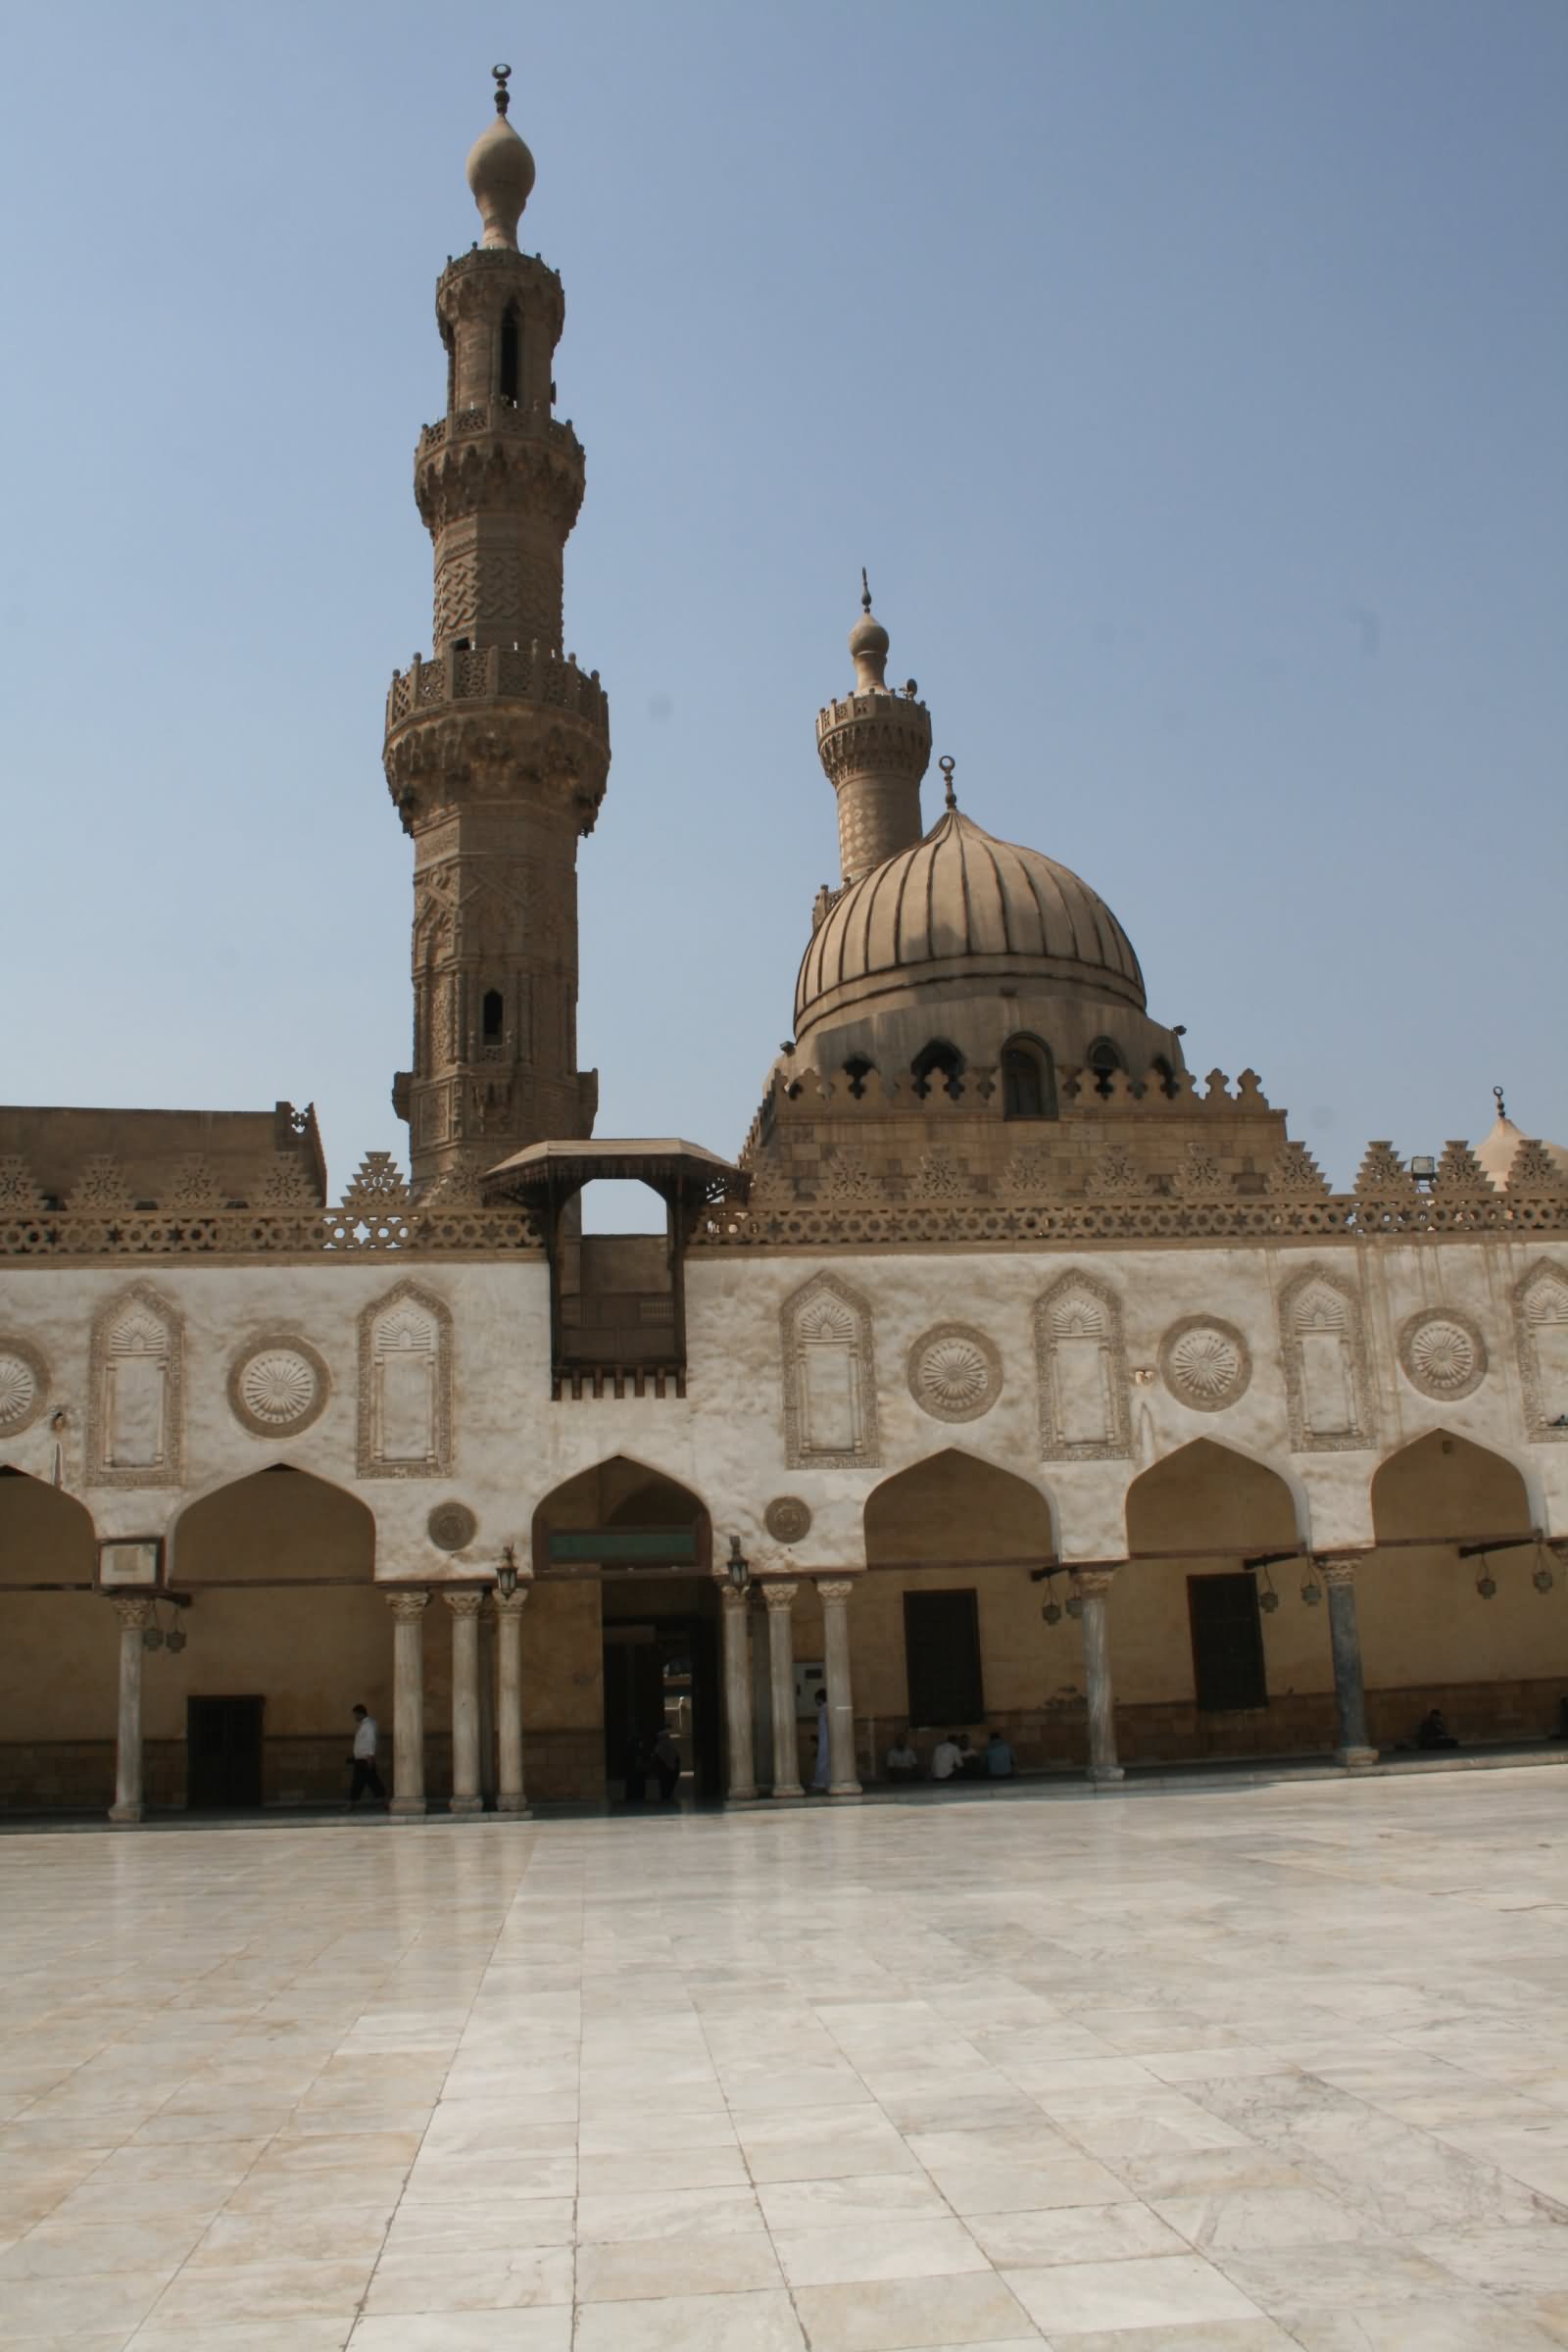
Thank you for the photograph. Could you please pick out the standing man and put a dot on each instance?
(365, 1776)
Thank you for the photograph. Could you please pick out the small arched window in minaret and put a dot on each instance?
(938, 1064)
(510, 377)
(1028, 1080)
(452, 367)
(1104, 1060)
(493, 1018)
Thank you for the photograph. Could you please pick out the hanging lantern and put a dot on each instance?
(1075, 1605)
(1052, 1612)
(1311, 1590)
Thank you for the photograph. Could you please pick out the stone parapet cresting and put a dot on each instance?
(534, 674)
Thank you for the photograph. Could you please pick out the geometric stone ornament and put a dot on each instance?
(1081, 1362)
(99, 1187)
(405, 1416)
(277, 1386)
(1384, 1176)
(452, 1526)
(1533, 1174)
(1206, 1363)
(1296, 1175)
(954, 1372)
(1327, 1378)
(787, 1519)
(1541, 1335)
(136, 1393)
(829, 1368)
(1200, 1174)
(1443, 1353)
(19, 1194)
(24, 1386)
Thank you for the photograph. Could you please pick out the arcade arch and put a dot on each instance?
(58, 1653)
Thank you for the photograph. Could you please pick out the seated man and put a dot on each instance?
(971, 1762)
(1433, 1731)
(946, 1758)
(902, 1763)
(1000, 1763)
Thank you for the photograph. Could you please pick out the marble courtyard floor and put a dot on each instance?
(1228, 2070)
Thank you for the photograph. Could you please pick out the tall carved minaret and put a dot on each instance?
(874, 748)
(497, 749)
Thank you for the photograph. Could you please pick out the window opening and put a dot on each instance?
(511, 353)
(1227, 1643)
(1028, 1087)
(938, 1063)
(858, 1070)
(1103, 1059)
(493, 1017)
(942, 1653)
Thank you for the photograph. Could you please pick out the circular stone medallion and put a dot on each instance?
(1206, 1364)
(451, 1526)
(277, 1387)
(24, 1386)
(1443, 1353)
(787, 1519)
(955, 1372)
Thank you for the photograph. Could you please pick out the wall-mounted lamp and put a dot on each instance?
(738, 1567)
(507, 1572)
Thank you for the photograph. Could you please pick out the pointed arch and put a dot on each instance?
(1081, 1362)
(955, 1509)
(630, 1504)
(280, 1525)
(1442, 1489)
(136, 1393)
(1540, 1336)
(405, 1405)
(46, 1536)
(1213, 1497)
(830, 1417)
(1028, 1075)
(1327, 1376)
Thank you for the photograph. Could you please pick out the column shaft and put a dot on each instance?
(1344, 1637)
(844, 1776)
(408, 1701)
(134, 1613)
(780, 1599)
(465, 1608)
(510, 1795)
(1093, 1585)
(741, 1771)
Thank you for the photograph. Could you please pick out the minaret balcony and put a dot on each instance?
(499, 415)
(497, 673)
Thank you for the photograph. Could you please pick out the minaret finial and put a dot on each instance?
(865, 591)
(503, 75)
(948, 763)
(1503, 1107)
(499, 172)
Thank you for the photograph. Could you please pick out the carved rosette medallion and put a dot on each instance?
(1206, 1364)
(451, 1526)
(787, 1519)
(955, 1372)
(23, 1387)
(277, 1387)
(1443, 1354)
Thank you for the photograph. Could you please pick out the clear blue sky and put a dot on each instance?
(1191, 375)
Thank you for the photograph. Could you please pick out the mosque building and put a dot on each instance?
(1010, 1377)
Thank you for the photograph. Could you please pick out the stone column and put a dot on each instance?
(135, 1612)
(510, 1795)
(780, 1599)
(465, 1608)
(408, 1700)
(1092, 1585)
(1345, 1636)
(843, 1775)
(742, 1770)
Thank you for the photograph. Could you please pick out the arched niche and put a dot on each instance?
(59, 1652)
(621, 1514)
(1207, 1497)
(952, 1509)
(1327, 1376)
(405, 1402)
(136, 1401)
(1081, 1362)
(829, 1363)
(1442, 1489)
(277, 1526)
(46, 1537)
(1541, 1334)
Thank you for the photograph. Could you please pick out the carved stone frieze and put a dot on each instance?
(277, 1386)
(1206, 1364)
(405, 1416)
(955, 1372)
(136, 1393)
(1327, 1376)
(1540, 1336)
(1081, 1362)
(1443, 1353)
(23, 1385)
(830, 1417)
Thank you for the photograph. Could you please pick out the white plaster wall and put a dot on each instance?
(725, 1440)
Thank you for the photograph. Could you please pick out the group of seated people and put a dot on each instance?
(954, 1757)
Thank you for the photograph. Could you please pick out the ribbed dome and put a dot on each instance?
(1496, 1152)
(962, 905)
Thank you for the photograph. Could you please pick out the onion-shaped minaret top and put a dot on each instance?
(500, 173)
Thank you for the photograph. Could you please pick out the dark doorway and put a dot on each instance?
(1227, 1643)
(222, 1753)
(664, 1671)
(942, 1653)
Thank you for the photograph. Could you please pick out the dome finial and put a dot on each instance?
(868, 643)
(1503, 1107)
(865, 591)
(948, 763)
(499, 172)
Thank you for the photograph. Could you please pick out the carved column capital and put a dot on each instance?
(406, 1602)
(511, 1604)
(734, 1597)
(1337, 1567)
(835, 1588)
(1093, 1583)
(463, 1604)
(133, 1609)
(779, 1596)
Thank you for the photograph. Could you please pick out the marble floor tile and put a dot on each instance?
(876, 2249)
(1465, 2324)
(1016, 2240)
(762, 2322)
(1158, 2292)
(483, 2279)
(899, 2314)
(642, 2269)
(538, 2331)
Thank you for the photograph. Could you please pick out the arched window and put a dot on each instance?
(941, 1064)
(1165, 1074)
(1103, 1059)
(510, 354)
(858, 1070)
(1028, 1082)
(493, 1017)
(452, 369)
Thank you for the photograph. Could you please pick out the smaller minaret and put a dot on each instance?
(874, 749)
